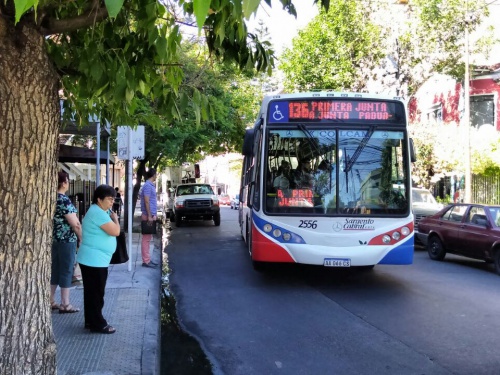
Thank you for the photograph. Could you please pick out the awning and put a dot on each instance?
(72, 154)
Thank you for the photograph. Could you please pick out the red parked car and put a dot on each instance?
(470, 230)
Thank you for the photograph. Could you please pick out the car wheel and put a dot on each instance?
(178, 220)
(497, 261)
(217, 220)
(435, 248)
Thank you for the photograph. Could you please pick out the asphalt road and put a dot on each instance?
(427, 318)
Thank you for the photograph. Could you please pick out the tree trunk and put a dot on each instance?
(29, 126)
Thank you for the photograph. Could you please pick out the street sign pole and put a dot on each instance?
(130, 147)
(129, 193)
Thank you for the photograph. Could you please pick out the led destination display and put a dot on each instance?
(344, 110)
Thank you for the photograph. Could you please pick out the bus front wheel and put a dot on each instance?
(258, 266)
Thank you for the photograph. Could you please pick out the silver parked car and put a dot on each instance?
(423, 204)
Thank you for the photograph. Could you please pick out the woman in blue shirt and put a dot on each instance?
(100, 229)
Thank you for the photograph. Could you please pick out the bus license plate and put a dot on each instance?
(337, 262)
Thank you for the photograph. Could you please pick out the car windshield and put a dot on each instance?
(495, 214)
(423, 196)
(194, 189)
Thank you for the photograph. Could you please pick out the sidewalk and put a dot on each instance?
(131, 306)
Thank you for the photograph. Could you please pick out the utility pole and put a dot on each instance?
(466, 118)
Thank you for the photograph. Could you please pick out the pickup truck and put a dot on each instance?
(195, 202)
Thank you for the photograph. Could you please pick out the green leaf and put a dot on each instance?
(237, 7)
(113, 7)
(250, 7)
(129, 95)
(161, 48)
(142, 87)
(22, 6)
(201, 8)
(96, 70)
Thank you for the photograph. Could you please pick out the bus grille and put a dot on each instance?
(197, 203)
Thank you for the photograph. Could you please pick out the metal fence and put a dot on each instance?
(485, 189)
(81, 193)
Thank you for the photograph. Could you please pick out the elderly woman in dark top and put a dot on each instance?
(66, 231)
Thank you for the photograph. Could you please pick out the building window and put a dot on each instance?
(482, 110)
(435, 113)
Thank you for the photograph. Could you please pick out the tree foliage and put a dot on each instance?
(399, 47)
(432, 40)
(230, 98)
(338, 50)
(440, 151)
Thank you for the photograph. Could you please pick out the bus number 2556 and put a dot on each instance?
(313, 224)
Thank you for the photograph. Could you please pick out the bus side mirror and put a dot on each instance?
(413, 155)
(248, 143)
(218, 191)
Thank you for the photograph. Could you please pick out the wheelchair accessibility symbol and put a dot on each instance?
(277, 115)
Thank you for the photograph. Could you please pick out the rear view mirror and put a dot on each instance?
(413, 155)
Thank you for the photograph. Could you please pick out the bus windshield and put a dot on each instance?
(326, 170)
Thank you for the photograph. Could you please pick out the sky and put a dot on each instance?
(282, 26)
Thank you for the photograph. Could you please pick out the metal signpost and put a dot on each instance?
(130, 146)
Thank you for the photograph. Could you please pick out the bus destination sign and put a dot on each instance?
(342, 110)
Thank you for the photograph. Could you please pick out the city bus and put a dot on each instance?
(326, 181)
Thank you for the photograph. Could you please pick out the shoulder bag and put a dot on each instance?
(120, 255)
(148, 227)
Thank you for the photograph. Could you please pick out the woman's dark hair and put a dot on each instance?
(62, 177)
(103, 191)
(150, 173)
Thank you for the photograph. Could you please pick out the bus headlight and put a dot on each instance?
(386, 238)
(405, 231)
(268, 228)
(287, 236)
(276, 233)
(396, 236)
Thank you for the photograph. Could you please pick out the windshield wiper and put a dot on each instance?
(359, 149)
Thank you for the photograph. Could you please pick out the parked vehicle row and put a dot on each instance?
(423, 204)
(235, 202)
(470, 230)
(224, 199)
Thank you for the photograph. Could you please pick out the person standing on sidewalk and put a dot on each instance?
(147, 195)
(66, 231)
(117, 206)
(100, 229)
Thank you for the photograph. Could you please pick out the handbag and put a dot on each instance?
(120, 255)
(148, 227)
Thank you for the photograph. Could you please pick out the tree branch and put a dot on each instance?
(51, 26)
